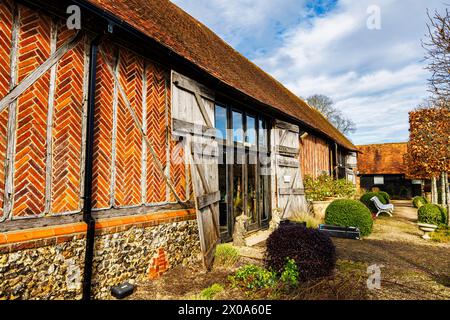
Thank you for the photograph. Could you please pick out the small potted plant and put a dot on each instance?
(319, 194)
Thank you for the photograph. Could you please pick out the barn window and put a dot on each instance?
(245, 175)
(221, 122)
(262, 134)
(250, 136)
(238, 127)
(378, 180)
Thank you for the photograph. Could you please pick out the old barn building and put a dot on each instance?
(131, 145)
(382, 166)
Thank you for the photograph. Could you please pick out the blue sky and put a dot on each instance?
(375, 77)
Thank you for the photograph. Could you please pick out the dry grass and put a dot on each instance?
(226, 256)
(441, 236)
(311, 221)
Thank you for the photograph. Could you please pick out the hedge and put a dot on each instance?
(432, 214)
(349, 213)
(386, 196)
(369, 203)
(419, 201)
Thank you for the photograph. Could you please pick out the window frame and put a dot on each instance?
(264, 200)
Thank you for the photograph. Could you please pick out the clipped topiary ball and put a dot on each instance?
(369, 204)
(313, 252)
(349, 213)
(419, 201)
(431, 214)
(386, 196)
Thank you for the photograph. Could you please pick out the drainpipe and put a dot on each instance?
(336, 159)
(87, 207)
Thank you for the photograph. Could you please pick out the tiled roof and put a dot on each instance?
(382, 158)
(175, 29)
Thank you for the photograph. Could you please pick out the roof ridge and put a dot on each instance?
(380, 144)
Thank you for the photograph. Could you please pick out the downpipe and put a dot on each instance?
(87, 207)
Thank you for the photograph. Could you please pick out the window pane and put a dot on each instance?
(223, 214)
(238, 192)
(262, 133)
(378, 180)
(251, 130)
(264, 192)
(221, 122)
(252, 202)
(238, 128)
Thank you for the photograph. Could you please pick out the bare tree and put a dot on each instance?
(437, 46)
(325, 105)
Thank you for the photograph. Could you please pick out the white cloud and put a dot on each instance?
(374, 76)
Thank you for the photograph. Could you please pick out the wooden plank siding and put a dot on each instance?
(43, 128)
(287, 183)
(314, 156)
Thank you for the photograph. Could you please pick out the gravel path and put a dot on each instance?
(413, 268)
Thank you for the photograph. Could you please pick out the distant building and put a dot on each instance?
(382, 166)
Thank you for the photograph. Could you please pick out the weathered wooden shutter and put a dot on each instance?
(193, 121)
(289, 195)
(351, 163)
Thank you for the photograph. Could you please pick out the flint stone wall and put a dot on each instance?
(56, 271)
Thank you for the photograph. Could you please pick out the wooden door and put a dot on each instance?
(193, 122)
(289, 195)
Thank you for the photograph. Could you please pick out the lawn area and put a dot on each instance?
(412, 269)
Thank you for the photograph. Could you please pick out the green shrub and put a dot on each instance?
(419, 201)
(444, 215)
(325, 186)
(369, 203)
(253, 277)
(431, 214)
(385, 195)
(349, 213)
(226, 256)
(210, 292)
(318, 189)
(290, 274)
(343, 188)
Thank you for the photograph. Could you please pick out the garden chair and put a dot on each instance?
(386, 208)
